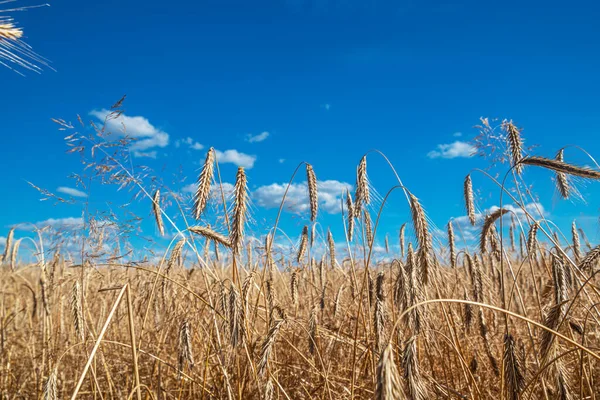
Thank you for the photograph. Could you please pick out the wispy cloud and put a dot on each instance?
(235, 157)
(457, 134)
(326, 106)
(2, 240)
(257, 138)
(453, 150)
(281, 160)
(147, 135)
(191, 143)
(71, 191)
(330, 192)
(146, 154)
(55, 223)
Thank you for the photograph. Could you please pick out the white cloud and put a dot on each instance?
(147, 135)
(330, 193)
(453, 150)
(257, 138)
(281, 160)
(457, 134)
(54, 223)
(191, 143)
(235, 157)
(146, 154)
(71, 191)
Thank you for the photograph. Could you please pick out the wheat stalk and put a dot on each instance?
(361, 195)
(239, 211)
(469, 199)
(388, 386)
(77, 311)
(313, 193)
(331, 244)
(157, 212)
(303, 244)
(236, 326)
(513, 367)
(412, 373)
(8, 30)
(368, 228)
(560, 166)
(14, 254)
(210, 234)
(590, 259)
(451, 245)
(186, 354)
(204, 181)
(8, 245)
(562, 182)
(532, 242)
(402, 229)
(515, 144)
(50, 388)
(294, 287)
(379, 312)
(424, 239)
(576, 242)
(267, 346)
(312, 330)
(487, 225)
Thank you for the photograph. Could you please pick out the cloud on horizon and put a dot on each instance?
(54, 223)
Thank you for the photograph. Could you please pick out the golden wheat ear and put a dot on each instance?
(14, 53)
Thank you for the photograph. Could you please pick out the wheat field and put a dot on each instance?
(510, 315)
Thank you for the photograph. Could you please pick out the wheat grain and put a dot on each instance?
(388, 386)
(469, 199)
(515, 144)
(576, 242)
(210, 234)
(302, 247)
(157, 212)
(267, 346)
(424, 239)
(487, 225)
(451, 245)
(204, 181)
(362, 196)
(562, 182)
(331, 244)
(402, 229)
(559, 166)
(186, 354)
(77, 311)
(513, 367)
(313, 193)
(239, 211)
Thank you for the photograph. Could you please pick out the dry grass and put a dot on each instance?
(419, 321)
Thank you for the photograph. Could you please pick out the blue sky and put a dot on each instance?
(328, 80)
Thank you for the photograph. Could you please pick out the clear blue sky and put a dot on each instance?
(327, 79)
